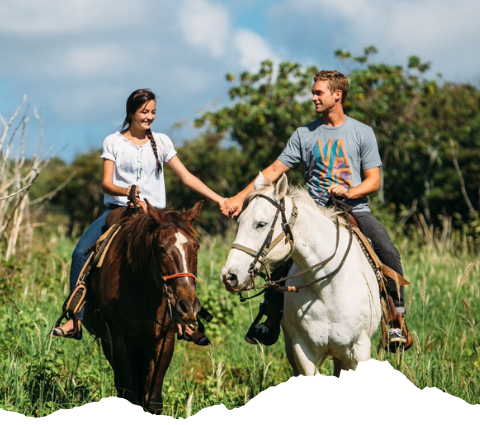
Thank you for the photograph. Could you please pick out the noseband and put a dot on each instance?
(260, 256)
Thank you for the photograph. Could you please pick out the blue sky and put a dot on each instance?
(80, 59)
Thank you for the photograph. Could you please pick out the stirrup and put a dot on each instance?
(76, 300)
(72, 307)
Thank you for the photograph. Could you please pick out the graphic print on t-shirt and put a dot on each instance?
(333, 164)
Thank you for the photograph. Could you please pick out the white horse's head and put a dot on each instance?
(255, 223)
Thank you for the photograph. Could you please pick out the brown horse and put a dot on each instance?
(144, 288)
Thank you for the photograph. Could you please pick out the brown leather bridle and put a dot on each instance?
(166, 286)
(268, 245)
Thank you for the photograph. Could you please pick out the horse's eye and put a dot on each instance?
(260, 224)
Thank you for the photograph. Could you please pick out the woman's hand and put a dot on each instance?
(232, 207)
(129, 189)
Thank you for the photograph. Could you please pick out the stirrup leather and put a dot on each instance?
(76, 300)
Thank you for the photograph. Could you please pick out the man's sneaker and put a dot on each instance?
(262, 334)
(395, 336)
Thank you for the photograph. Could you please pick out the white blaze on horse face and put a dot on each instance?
(179, 242)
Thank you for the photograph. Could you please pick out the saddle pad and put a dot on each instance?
(104, 242)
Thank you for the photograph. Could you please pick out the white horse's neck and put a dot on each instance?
(315, 237)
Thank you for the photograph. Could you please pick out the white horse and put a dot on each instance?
(335, 317)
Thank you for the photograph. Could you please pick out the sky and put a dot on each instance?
(78, 60)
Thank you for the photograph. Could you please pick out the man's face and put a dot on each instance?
(323, 99)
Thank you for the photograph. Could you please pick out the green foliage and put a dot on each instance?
(216, 166)
(268, 107)
(428, 132)
(39, 375)
(423, 127)
(82, 198)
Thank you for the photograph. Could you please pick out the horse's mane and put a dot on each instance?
(136, 237)
(300, 195)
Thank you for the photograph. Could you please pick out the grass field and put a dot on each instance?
(39, 375)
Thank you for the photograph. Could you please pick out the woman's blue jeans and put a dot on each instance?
(80, 256)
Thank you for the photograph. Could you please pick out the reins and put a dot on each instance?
(268, 245)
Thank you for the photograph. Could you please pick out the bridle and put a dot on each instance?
(260, 256)
(166, 287)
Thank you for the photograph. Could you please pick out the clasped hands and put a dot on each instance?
(231, 207)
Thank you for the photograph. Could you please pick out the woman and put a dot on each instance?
(134, 156)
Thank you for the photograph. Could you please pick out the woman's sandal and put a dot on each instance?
(197, 337)
(70, 334)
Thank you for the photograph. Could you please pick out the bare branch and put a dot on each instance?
(16, 193)
(461, 179)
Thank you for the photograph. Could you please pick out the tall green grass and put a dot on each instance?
(39, 375)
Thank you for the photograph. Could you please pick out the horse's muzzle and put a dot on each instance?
(232, 281)
(187, 310)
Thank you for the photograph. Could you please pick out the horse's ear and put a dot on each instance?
(194, 212)
(281, 187)
(260, 182)
(153, 213)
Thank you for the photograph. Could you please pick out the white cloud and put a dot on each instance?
(445, 32)
(43, 17)
(73, 55)
(205, 25)
(252, 49)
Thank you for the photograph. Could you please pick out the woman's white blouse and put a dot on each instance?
(137, 165)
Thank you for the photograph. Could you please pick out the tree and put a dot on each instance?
(428, 130)
(424, 127)
(268, 107)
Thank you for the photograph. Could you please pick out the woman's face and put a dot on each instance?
(144, 116)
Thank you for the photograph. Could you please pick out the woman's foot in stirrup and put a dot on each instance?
(68, 330)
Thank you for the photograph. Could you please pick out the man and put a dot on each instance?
(341, 157)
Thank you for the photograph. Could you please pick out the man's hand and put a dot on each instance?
(338, 189)
(233, 206)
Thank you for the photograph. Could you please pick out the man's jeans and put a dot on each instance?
(385, 250)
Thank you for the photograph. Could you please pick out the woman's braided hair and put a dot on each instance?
(134, 102)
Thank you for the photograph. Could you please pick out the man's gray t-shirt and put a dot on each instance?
(333, 155)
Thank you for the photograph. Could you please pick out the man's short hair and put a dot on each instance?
(336, 81)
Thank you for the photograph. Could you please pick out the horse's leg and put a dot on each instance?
(362, 348)
(359, 352)
(156, 374)
(122, 366)
(305, 359)
(290, 353)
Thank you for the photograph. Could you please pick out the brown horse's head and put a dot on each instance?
(174, 262)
